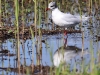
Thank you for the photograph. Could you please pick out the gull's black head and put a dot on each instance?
(52, 5)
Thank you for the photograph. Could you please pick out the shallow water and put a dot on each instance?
(52, 44)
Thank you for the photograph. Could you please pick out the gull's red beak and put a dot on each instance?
(47, 9)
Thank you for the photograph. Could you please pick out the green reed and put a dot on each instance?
(16, 3)
(23, 20)
(40, 34)
(5, 9)
(32, 33)
(35, 12)
(23, 26)
(35, 23)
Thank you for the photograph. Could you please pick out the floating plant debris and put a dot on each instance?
(9, 32)
(4, 51)
(23, 69)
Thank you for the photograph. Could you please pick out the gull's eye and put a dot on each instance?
(52, 6)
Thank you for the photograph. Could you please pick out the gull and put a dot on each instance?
(65, 19)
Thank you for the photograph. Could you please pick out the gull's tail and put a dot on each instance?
(82, 18)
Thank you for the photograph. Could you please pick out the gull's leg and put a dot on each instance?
(65, 38)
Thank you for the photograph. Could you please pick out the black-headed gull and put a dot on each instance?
(64, 19)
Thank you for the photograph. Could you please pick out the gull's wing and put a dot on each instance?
(71, 19)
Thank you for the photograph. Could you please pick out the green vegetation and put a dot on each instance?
(21, 10)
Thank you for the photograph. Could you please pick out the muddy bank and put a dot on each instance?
(26, 32)
(37, 70)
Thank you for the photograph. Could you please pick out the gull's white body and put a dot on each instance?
(66, 19)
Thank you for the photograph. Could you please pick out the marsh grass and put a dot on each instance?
(25, 7)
